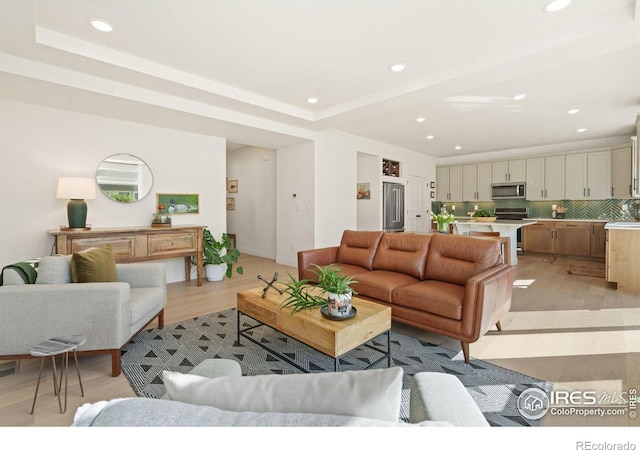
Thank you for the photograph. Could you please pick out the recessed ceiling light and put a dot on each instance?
(420, 119)
(581, 130)
(519, 96)
(573, 111)
(431, 136)
(457, 147)
(556, 5)
(398, 67)
(312, 100)
(102, 25)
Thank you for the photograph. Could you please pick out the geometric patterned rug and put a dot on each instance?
(179, 347)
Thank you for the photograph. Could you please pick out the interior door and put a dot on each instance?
(417, 218)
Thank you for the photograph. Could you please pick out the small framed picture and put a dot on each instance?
(231, 203)
(364, 191)
(433, 194)
(232, 186)
(433, 185)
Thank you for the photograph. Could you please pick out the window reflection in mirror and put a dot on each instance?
(124, 178)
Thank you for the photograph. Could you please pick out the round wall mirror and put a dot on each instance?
(124, 178)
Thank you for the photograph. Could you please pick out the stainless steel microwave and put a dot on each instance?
(508, 190)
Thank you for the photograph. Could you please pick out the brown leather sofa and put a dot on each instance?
(454, 285)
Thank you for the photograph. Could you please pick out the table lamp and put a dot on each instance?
(76, 190)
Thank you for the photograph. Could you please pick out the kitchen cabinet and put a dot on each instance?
(507, 171)
(598, 240)
(449, 184)
(622, 185)
(588, 176)
(565, 238)
(545, 178)
(476, 182)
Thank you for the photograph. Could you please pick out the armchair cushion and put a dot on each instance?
(94, 265)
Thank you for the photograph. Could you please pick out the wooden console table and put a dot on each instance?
(138, 243)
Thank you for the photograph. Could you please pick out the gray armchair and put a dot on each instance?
(108, 314)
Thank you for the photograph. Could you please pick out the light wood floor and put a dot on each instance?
(574, 331)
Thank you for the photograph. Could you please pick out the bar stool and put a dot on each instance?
(53, 347)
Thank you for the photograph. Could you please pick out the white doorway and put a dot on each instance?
(418, 218)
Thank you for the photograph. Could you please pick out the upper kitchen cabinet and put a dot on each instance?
(507, 171)
(622, 181)
(545, 178)
(476, 182)
(449, 184)
(588, 176)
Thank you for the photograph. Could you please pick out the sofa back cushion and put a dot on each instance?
(403, 252)
(455, 258)
(54, 270)
(373, 394)
(358, 248)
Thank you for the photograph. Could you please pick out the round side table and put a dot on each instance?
(58, 346)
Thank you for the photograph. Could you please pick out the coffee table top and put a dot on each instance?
(331, 337)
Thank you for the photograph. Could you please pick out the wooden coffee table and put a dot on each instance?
(334, 338)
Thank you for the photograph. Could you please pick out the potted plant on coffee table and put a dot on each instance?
(219, 256)
(337, 288)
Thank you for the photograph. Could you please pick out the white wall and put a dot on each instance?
(295, 202)
(254, 218)
(40, 144)
(336, 179)
(370, 210)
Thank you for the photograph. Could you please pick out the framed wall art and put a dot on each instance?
(232, 186)
(231, 203)
(179, 203)
(364, 191)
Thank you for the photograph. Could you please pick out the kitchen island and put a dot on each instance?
(623, 257)
(508, 228)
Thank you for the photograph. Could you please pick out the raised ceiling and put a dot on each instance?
(243, 69)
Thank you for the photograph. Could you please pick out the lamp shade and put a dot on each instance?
(76, 188)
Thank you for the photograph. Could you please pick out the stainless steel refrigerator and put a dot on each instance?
(393, 207)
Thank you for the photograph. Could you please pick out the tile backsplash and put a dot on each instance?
(610, 209)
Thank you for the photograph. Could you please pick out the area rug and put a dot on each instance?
(181, 346)
(589, 271)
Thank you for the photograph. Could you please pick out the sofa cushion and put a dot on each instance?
(54, 270)
(379, 284)
(94, 265)
(358, 248)
(454, 258)
(403, 253)
(148, 412)
(373, 394)
(436, 297)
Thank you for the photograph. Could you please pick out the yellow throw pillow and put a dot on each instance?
(94, 265)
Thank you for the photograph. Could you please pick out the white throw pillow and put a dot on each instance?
(373, 394)
(54, 270)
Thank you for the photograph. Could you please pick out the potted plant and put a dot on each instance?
(219, 256)
(337, 288)
(300, 296)
(484, 215)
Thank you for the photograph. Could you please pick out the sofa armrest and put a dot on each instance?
(143, 275)
(442, 397)
(487, 299)
(33, 313)
(319, 256)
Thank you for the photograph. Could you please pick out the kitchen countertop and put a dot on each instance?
(622, 226)
(567, 220)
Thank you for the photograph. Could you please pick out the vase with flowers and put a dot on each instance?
(443, 220)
